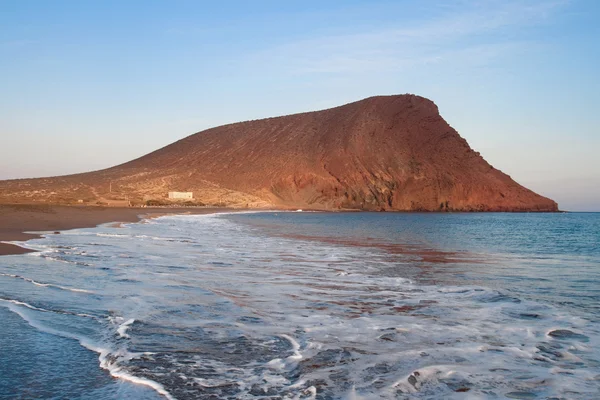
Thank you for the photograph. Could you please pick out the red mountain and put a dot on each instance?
(380, 153)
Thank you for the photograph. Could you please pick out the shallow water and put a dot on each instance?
(307, 305)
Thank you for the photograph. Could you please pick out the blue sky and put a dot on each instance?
(90, 84)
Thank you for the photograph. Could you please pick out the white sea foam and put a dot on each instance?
(289, 362)
(119, 373)
(113, 235)
(21, 303)
(50, 285)
(122, 330)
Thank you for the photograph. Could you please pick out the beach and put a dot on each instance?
(17, 219)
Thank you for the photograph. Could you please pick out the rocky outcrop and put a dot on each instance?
(381, 153)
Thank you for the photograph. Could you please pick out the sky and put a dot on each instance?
(86, 85)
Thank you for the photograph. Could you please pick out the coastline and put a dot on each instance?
(17, 219)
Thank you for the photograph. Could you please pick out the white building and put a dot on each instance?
(181, 195)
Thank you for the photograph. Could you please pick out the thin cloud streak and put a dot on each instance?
(477, 34)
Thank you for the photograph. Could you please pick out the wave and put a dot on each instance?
(122, 330)
(27, 305)
(112, 235)
(50, 285)
(119, 373)
(107, 357)
(291, 361)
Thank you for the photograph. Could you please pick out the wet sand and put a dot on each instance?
(15, 220)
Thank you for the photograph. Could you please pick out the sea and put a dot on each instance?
(307, 305)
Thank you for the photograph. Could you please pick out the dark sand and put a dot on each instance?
(17, 219)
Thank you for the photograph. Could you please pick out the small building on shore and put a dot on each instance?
(181, 195)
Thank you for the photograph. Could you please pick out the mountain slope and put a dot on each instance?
(381, 153)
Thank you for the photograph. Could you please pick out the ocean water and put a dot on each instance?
(282, 305)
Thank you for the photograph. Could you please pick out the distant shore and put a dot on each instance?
(17, 219)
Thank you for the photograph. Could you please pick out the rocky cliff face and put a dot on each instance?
(381, 153)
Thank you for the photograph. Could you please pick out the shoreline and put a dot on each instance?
(17, 219)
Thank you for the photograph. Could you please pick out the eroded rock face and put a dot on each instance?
(381, 153)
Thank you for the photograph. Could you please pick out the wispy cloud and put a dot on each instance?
(474, 32)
